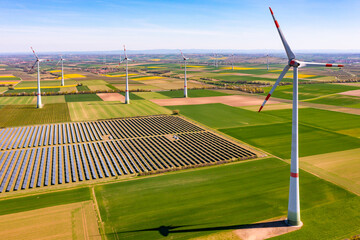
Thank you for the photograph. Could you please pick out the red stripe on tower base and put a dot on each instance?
(126, 90)
(328, 65)
(277, 24)
(340, 65)
(295, 175)
(267, 97)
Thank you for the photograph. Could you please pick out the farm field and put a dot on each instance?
(309, 91)
(335, 167)
(276, 139)
(151, 95)
(72, 221)
(53, 99)
(192, 93)
(18, 100)
(205, 114)
(208, 201)
(44, 83)
(338, 100)
(82, 98)
(18, 115)
(34, 90)
(83, 111)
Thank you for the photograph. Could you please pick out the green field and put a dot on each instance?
(44, 83)
(43, 90)
(9, 78)
(18, 115)
(83, 88)
(18, 100)
(133, 96)
(82, 98)
(329, 120)
(81, 111)
(151, 95)
(337, 100)
(308, 91)
(219, 115)
(192, 93)
(53, 99)
(219, 198)
(43, 200)
(234, 78)
(276, 139)
(92, 82)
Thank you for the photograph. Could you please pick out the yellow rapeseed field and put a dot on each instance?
(290, 75)
(147, 78)
(239, 68)
(7, 82)
(221, 58)
(155, 67)
(72, 75)
(194, 66)
(121, 75)
(155, 59)
(7, 76)
(55, 71)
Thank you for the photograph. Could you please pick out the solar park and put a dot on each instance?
(55, 154)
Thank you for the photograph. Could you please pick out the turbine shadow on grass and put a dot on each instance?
(167, 230)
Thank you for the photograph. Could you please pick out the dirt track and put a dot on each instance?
(234, 100)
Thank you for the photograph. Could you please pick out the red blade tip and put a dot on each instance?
(260, 108)
(271, 11)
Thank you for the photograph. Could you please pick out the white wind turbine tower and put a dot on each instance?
(232, 62)
(267, 61)
(185, 80)
(38, 94)
(127, 98)
(293, 217)
(62, 70)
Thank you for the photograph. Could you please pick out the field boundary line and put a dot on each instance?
(97, 210)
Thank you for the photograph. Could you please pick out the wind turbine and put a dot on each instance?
(127, 98)
(185, 81)
(232, 62)
(293, 217)
(267, 61)
(38, 94)
(62, 70)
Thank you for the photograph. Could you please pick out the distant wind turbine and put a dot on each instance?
(267, 62)
(62, 70)
(127, 98)
(232, 62)
(185, 80)
(293, 217)
(37, 62)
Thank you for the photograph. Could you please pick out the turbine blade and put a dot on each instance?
(34, 53)
(182, 55)
(314, 64)
(286, 68)
(58, 62)
(289, 53)
(125, 52)
(33, 65)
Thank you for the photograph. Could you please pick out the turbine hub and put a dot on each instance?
(294, 63)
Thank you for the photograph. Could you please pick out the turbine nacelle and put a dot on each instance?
(294, 63)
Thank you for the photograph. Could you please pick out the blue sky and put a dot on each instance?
(77, 25)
